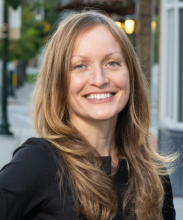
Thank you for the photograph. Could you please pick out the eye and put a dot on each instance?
(79, 66)
(113, 63)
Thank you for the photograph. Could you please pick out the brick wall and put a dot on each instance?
(143, 34)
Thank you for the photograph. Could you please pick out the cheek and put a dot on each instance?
(128, 84)
(75, 84)
(123, 82)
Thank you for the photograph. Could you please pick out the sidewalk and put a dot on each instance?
(21, 127)
(20, 123)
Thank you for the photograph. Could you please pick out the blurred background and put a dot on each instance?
(155, 28)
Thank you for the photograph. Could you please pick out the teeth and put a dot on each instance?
(99, 96)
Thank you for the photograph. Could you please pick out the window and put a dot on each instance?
(180, 107)
(170, 64)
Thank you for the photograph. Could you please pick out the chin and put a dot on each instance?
(104, 117)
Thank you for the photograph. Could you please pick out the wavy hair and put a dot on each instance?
(93, 198)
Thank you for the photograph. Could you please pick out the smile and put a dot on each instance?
(100, 96)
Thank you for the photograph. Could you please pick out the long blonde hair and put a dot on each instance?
(93, 190)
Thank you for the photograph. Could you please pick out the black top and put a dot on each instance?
(29, 186)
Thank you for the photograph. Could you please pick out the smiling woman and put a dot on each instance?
(99, 80)
(93, 159)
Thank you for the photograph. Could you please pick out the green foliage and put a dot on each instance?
(0, 49)
(31, 78)
(27, 47)
(13, 3)
(30, 41)
(33, 33)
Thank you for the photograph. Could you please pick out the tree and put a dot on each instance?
(14, 3)
(33, 33)
(28, 45)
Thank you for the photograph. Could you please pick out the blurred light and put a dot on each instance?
(38, 17)
(46, 26)
(119, 23)
(129, 26)
(153, 25)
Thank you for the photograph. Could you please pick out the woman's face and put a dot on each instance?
(99, 84)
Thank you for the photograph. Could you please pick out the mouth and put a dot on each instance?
(99, 96)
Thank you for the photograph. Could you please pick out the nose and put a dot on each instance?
(98, 77)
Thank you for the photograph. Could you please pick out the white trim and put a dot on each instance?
(171, 124)
(176, 66)
(170, 62)
(179, 4)
(173, 4)
(169, 72)
(170, 6)
(162, 69)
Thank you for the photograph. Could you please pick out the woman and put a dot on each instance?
(93, 160)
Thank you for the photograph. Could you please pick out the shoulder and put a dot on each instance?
(36, 149)
(34, 161)
(34, 144)
(168, 206)
(28, 179)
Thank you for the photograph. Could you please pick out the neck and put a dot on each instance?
(100, 134)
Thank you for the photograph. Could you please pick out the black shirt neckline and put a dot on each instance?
(121, 174)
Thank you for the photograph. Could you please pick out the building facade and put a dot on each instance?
(171, 86)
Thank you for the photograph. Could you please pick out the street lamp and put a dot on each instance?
(128, 26)
(4, 125)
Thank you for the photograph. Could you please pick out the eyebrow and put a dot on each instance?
(107, 55)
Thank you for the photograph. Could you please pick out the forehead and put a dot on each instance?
(98, 35)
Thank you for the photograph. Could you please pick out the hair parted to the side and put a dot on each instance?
(93, 190)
